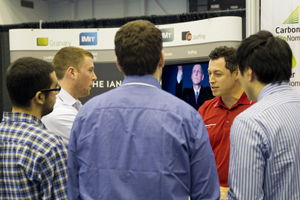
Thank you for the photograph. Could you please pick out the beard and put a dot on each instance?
(47, 107)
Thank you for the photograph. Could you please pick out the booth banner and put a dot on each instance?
(281, 17)
(187, 33)
(187, 42)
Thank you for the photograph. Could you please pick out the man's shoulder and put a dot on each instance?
(188, 90)
(208, 104)
(116, 99)
(60, 111)
(34, 136)
(45, 139)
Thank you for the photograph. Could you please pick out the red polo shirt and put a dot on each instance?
(218, 119)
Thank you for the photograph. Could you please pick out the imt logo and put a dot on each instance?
(186, 35)
(167, 34)
(88, 38)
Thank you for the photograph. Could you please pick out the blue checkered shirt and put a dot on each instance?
(33, 160)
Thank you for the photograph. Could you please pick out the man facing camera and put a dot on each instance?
(33, 160)
(74, 69)
(265, 139)
(138, 141)
(197, 94)
(219, 113)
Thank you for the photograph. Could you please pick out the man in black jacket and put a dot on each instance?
(197, 94)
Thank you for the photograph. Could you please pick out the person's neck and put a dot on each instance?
(68, 87)
(197, 87)
(30, 111)
(157, 74)
(231, 99)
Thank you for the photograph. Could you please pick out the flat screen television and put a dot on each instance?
(184, 89)
(109, 77)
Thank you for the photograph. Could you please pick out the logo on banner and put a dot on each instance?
(293, 18)
(187, 35)
(42, 41)
(88, 38)
(167, 34)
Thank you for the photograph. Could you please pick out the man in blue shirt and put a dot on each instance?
(138, 141)
(265, 139)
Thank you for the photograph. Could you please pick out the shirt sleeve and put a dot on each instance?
(73, 163)
(247, 160)
(54, 174)
(205, 181)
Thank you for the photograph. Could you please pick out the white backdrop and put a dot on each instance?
(281, 17)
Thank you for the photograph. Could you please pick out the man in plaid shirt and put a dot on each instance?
(33, 160)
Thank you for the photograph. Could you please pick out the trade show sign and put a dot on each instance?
(182, 42)
(281, 17)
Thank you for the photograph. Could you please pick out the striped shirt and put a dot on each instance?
(33, 160)
(265, 147)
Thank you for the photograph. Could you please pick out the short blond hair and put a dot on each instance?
(69, 56)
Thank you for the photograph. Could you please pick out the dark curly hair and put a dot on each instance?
(229, 54)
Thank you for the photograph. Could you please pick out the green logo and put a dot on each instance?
(294, 62)
(42, 41)
(293, 18)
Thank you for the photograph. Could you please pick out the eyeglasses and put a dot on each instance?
(54, 89)
(57, 89)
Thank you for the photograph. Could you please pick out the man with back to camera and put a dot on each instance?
(196, 95)
(74, 69)
(138, 141)
(265, 139)
(33, 160)
(219, 113)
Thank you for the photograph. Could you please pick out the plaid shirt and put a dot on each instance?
(33, 162)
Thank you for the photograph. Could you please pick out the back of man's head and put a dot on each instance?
(138, 46)
(25, 77)
(67, 57)
(229, 54)
(269, 57)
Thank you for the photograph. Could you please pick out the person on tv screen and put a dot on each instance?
(219, 113)
(138, 141)
(265, 139)
(196, 95)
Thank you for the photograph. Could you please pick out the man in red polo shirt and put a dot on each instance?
(219, 113)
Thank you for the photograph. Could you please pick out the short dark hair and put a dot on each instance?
(138, 46)
(69, 56)
(229, 54)
(269, 57)
(25, 77)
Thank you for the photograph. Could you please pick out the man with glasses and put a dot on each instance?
(33, 160)
(74, 69)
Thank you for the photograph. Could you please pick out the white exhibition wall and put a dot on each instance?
(11, 11)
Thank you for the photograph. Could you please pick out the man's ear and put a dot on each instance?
(236, 74)
(118, 65)
(39, 98)
(250, 74)
(72, 72)
(161, 62)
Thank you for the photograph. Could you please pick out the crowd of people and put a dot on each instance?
(139, 142)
